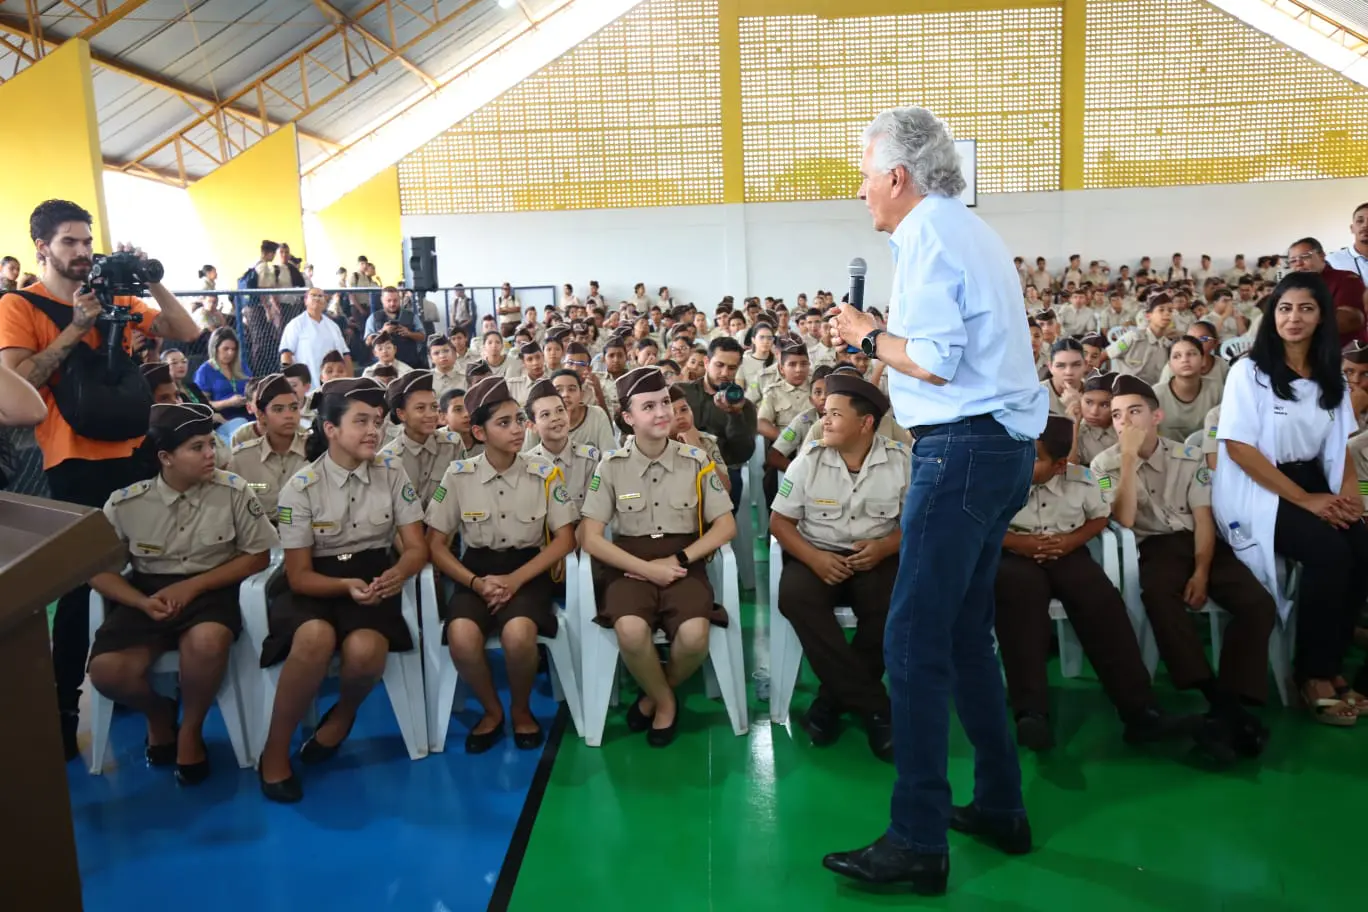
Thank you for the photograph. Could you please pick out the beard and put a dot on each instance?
(74, 270)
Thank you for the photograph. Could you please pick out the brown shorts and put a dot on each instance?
(533, 601)
(129, 628)
(288, 610)
(664, 609)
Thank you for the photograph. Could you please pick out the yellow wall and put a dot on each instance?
(364, 222)
(255, 197)
(52, 149)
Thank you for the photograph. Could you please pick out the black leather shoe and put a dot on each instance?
(879, 731)
(1011, 835)
(664, 737)
(1215, 741)
(886, 864)
(526, 741)
(69, 722)
(1153, 724)
(161, 754)
(479, 744)
(1034, 732)
(291, 791)
(312, 751)
(638, 721)
(822, 722)
(191, 774)
(1249, 736)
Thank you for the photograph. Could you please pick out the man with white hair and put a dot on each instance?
(961, 377)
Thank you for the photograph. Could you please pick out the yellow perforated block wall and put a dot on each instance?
(631, 117)
(1179, 92)
(809, 86)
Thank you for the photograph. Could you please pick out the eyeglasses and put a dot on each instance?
(576, 363)
(1295, 258)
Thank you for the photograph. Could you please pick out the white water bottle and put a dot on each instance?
(1238, 537)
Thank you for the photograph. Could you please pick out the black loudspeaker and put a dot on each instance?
(420, 258)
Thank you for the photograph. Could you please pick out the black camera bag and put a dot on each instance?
(98, 403)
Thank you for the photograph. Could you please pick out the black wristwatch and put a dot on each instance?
(682, 558)
(870, 343)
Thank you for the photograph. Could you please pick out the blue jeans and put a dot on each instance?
(969, 478)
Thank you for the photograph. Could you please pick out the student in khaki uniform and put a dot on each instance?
(333, 367)
(384, 348)
(887, 425)
(516, 519)
(546, 410)
(1143, 352)
(1048, 322)
(1358, 453)
(1044, 557)
(669, 513)
(783, 400)
(253, 428)
(686, 432)
(614, 366)
(1187, 396)
(589, 424)
(1162, 490)
(1093, 431)
(423, 447)
(593, 392)
(338, 520)
(792, 438)
(495, 354)
(192, 534)
(456, 419)
(836, 517)
(557, 337)
(267, 462)
(759, 366)
(1210, 448)
(533, 369)
(446, 372)
(1355, 367)
(1067, 369)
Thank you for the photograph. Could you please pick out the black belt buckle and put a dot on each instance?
(343, 558)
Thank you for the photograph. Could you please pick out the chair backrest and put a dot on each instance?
(1232, 347)
(1194, 439)
(1116, 332)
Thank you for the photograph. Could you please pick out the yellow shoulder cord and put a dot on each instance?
(558, 571)
(698, 487)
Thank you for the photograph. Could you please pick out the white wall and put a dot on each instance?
(705, 252)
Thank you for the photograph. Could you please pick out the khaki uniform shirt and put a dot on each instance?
(222, 454)
(594, 430)
(1184, 418)
(243, 434)
(1358, 451)
(400, 369)
(1183, 320)
(783, 402)
(755, 375)
(1110, 319)
(1061, 505)
(333, 511)
(1220, 370)
(425, 462)
(1140, 352)
(1056, 403)
(1173, 482)
(835, 508)
(795, 432)
(1212, 423)
(455, 380)
(640, 496)
(1042, 279)
(887, 427)
(520, 385)
(508, 367)
(1075, 321)
(265, 470)
(167, 532)
(576, 462)
(515, 508)
(1093, 440)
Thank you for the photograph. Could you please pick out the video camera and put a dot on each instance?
(115, 275)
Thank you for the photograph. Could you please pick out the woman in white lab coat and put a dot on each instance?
(1284, 486)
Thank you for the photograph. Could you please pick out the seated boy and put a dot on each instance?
(1044, 557)
(1162, 490)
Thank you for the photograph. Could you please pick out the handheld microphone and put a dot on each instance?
(856, 296)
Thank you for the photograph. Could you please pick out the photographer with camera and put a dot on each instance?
(58, 336)
(720, 408)
(402, 323)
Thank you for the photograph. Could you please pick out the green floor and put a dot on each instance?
(728, 823)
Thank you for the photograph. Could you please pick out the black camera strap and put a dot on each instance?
(54, 310)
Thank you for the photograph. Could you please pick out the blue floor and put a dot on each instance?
(438, 830)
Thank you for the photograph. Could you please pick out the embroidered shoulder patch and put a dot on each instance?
(228, 479)
(790, 434)
(786, 488)
(716, 483)
(559, 494)
(587, 450)
(284, 515)
(439, 495)
(1204, 476)
(594, 482)
(128, 493)
(1104, 482)
(408, 493)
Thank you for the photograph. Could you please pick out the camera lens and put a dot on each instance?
(152, 271)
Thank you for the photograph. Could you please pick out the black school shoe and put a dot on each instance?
(291, 791)
(311, 751)
(663, 737)
(1154, 724)
(823, 722)
(479, 744)
(162, 754)
(192, 774)
(526, 741)
(638, 721)
(879, 732)
(1034, 732)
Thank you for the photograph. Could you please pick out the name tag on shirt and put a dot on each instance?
(628, 496)
(150, 549)
(256, 486)
(473, 514)
(324, 526)
(827, 503)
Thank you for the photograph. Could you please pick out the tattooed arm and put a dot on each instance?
(37, 367)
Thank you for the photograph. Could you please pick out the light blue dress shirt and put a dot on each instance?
(957, 301)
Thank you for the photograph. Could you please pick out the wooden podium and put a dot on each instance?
(46, 548)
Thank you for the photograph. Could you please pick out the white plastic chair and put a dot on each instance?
(786, 651)
(1195, 438)
(441, 680)
(164, 674)
(756, 488)
(403, 676)
(725, 672)
(1116, 332)
(1281, 641)
(1232, 347)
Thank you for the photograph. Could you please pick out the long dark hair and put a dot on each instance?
(329, 409)
(1324, 358)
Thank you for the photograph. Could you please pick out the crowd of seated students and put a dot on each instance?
(640, 418)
